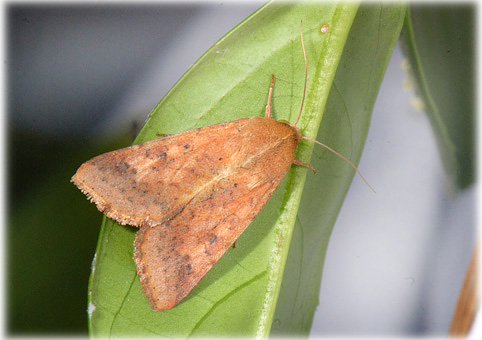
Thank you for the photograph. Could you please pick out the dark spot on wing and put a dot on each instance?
(185, 270)
(122, 167)
(213, 239)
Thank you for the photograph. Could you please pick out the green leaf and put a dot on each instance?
(345, 124)
(439, 44)
(239, 296)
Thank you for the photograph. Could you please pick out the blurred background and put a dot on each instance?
(81, 80)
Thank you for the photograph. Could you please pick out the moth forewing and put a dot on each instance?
(149, 183)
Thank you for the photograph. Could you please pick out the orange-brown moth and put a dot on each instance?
(191, 194)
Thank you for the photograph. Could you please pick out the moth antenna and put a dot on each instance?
(270, 93)
(342, 157)
(306, 75)
(301, 110)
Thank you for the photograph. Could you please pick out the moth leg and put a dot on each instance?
(268, 105)
(298, 162)
(163, 135)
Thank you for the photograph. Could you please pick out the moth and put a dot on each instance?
(192, 194)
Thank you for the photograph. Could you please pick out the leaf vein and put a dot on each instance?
(224, 298)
